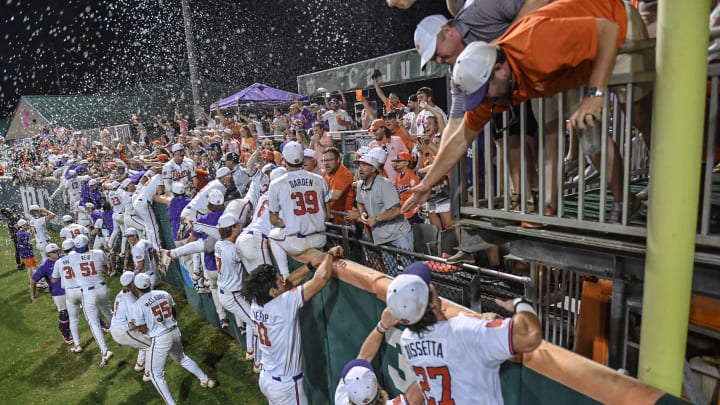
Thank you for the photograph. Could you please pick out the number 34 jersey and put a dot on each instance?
(299, 197)
(154, 310)
(459, 359)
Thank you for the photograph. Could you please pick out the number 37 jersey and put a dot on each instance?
(154, 310)
(299, 197)
(459, 359)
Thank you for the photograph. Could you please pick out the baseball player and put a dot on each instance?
(63, 271)
(442, 350)
(259, 183)
(198, 206)
(252, 243)
(45, 271)
(115, 197)
(177, 204)
(142, 210)
(38, 224)
(275, 306)
(179, 169)
(120, 325)
(70, 184)
(84, 214)
(359, 386)
(71, 229)
(154, 315)
(241, 176)
(229, 282)
(302, 199)
(144, 254)
(89, 267)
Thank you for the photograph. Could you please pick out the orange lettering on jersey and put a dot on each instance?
(397, 401)
(494, 324)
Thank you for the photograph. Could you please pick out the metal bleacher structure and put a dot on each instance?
(576, 243)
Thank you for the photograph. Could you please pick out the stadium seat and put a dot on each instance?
(427, 238)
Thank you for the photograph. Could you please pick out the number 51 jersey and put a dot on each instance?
(299, 197)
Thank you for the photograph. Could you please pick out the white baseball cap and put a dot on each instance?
(68, 244)
(227, 131)
(222, 172)
(472, 70)
(51, 247)
(426, 34)
(142, 281)
(89, 205)
(21, 223)
(277, 173)
(126, 278)
(176, 147)
(227, 220)
(380, 155)
(178, 188)
(268, 168)
(369, 159)
(92, 182)
(216, 197)
(34, 207)
(130, 232)
(407, 296)
(293, 153)
(81, 241)
(72, 173)
(360, 381)
(67, 218)
(310, 153)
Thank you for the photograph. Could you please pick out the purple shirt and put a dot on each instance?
(25, 249)
(106, 217)
(174, 210)
(45, 271)
(209, 219)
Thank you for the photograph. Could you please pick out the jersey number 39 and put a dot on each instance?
(306, 202)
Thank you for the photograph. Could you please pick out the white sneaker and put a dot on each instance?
(106, 358)
(257, 367)
(208, 384)
(139, 367)
(250, 355)
(76, 349)
(146, 377)
(42, 284)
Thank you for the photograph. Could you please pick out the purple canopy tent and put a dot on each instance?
(259, 93)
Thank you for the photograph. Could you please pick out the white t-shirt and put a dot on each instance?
(144, 251)
(89, 267)
(465, 351)
(122, 310)
(182, 172)
(63, 270)
(299, 197)
(154, 310)
(420, 120)
(333, 125)
(279, 333)
(229, 266)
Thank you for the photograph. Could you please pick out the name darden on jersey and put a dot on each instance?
(424, 348)
(301, 182)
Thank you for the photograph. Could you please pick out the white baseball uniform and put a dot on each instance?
(229, 282)
(442, 357)
(182, 173)
(72, 185)
(89, 270)
(299, 197)
(341, 397)
(83, 218)
(258, 186)
(73, 230)
(146, 252)
(154, 309)
(115, 199)
(63, 271)
(142, 210)
(120, 327)
(128, 221)
(279, 342)
(42, 238)
(252, 243)
(198, 206)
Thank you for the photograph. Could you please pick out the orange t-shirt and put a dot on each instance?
(409, 143)
(389, 108)
(553, 49)
(202, 176)
(341, 180)
(403, 183)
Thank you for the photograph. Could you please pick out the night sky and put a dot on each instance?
(72, 47)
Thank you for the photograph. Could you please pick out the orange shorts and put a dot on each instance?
(29, 262)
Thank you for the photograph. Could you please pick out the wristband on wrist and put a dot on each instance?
(310, 266)
(523, 305)
(380, 328)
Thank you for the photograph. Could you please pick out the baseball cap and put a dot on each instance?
(216, 197)
(310, 153)
(232, 156)
(375, 125)
(367, 158)
(163, 157)
(34, 207)
(51, 247)
(335, 100)
(130, 232)
(72, 172)
(177, 188)
(402, 156)
(89, 205)
(81, 241)
(472, 71)
(268, 168)
(68, 244)
(407, 295)
(379, 154)
(176, 147)
(227, 131)
(67, 218)
(142, 281)
(426, 36)
(227, 220)
(126, 278)
(21, 223)
(360, 381)
(92, 182)
(222, 172)
(293, 153)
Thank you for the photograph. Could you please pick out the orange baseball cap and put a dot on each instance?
(267, 154)
(376, 124)
(402, 156)
(163, 157)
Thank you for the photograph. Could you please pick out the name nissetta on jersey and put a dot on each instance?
(424, 348)
(301, 182)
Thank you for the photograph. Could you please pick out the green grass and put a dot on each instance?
(36, 367)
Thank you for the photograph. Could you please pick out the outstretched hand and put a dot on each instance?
(335, 251)
(588, 113)
(506, 304)
(420, 194)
